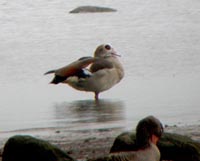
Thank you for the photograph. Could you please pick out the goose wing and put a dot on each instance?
(73, 69)
(100, 64)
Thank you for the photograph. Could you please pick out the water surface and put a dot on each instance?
(159, 43)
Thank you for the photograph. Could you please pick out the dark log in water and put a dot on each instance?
(91, 9)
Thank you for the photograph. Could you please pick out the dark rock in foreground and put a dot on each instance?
(27, 148)
(172, 146)
(91, 9)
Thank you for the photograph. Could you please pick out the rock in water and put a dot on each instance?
(27, 148)
(91, 9)
(172, 146)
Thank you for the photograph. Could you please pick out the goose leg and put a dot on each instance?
(96, 96)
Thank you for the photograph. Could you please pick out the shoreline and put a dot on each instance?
(84, 144)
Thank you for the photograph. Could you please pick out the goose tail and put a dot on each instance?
(50, 72)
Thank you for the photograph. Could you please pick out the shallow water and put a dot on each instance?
(159, 43)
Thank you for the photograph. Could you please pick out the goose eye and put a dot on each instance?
(108, 47)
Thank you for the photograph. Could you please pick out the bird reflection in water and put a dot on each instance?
(87, 112)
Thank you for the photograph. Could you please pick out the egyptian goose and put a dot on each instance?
(104, 71)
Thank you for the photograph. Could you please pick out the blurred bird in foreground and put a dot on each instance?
(103, 72)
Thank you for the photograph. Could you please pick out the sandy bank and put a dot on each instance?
(89, 143)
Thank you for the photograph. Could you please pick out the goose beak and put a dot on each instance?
(115, 54)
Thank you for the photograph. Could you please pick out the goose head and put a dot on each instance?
(104, 51)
